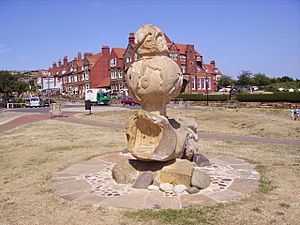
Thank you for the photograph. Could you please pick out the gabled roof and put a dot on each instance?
(210, 68)
(182, 48)
(92, 59)
(119, 52)
(167, 38)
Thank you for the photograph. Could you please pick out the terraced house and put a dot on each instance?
(108, 70)
(198, 77)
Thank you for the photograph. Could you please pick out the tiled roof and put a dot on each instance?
(210, 68)
(182, 48)
(93, 59)
(119, 52)
(105, 82)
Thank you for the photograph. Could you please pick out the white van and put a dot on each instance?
(34, 102)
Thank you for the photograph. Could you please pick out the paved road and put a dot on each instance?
(69, 117)
(69, 107)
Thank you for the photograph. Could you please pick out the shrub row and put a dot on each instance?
(201, 97)
(276, 97)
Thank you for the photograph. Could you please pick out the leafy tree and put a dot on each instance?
(260, 79)
(245, 78)
(226, 81)
(21, 87)
(11, 83)
(7, 83)
(285, 79)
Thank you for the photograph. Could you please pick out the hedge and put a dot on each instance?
(201, 97)
(276, 97)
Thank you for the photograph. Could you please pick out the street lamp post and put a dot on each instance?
(206, 88)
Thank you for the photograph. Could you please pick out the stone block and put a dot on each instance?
(200, 179)
(179, 172)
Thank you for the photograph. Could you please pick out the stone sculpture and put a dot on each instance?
(153, 80)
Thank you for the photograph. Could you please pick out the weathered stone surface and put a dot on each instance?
(166, 187)
(143, 180)
(192, 190)
(200, 160)
(153, 187)
(187, 137)
(179, 188)
(200, 179)
(154, 79)
(151, 137)
(124, 173)
(179, 172)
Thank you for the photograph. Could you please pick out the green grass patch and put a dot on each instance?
(188, 216)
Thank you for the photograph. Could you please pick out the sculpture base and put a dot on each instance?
(90, 182)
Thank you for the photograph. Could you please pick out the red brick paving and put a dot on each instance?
(69, 117)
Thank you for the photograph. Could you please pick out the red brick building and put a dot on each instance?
(197, 75)
(117, 75)
(108, 70)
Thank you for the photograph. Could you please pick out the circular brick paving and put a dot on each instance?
(91, 182)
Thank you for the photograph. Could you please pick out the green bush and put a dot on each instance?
(276, 97)
(201, 97)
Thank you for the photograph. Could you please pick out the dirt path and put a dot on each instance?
(70, 117)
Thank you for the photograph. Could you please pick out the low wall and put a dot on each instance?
(237, 104)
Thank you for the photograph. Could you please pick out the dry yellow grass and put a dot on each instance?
(30, 154)
(252, 122)
(28, 157)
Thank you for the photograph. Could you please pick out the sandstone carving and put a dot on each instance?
(163, 147)
(154, 79)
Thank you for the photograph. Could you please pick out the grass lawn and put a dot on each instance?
(275, 123)
(31, 153)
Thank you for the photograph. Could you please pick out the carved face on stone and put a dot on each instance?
(150, 40)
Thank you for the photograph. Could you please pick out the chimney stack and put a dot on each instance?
(79, 56)
(131, 38)
(213, 62)
(54, 65)
(105, 50)
(65, 61)
(59, 63)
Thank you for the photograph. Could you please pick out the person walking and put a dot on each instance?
(296, 113)
(292, 113)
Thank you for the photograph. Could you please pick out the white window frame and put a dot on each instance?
(113, 62)
(182, 58)
(183, 68)
(194, 83)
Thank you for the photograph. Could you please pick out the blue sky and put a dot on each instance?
(260, 36)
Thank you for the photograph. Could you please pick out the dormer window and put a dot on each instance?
(128, 59)
(113, 62)
(198, 58)
(183, 58)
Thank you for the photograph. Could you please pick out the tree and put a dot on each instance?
(21, 87)
(285, 79)
(260, 79)
(11, 83)
(7, 83)
(245, 78)
(226, 81)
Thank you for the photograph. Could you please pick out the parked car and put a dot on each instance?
(34, 102)
(49, 101)
(128, 101)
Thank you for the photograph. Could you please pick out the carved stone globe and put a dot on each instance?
(154, 79)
